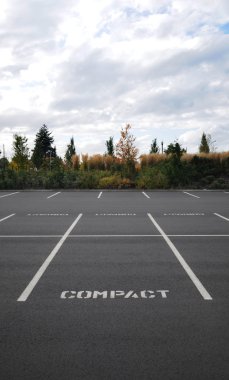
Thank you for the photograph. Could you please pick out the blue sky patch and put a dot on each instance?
(133, 12)
(225, 28)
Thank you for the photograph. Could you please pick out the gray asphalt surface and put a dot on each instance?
(114, 301)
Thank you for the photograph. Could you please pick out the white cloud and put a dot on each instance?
(86, 68)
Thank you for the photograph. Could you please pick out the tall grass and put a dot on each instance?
(210, 156)
(149, 160)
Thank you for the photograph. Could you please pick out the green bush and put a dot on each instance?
(220, 183)
(152, 178)
(90, 179)
(115, 182)
(225, 166)
(198, 172)
(206, 166)
(205, 181)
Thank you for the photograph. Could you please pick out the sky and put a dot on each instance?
(86, 68)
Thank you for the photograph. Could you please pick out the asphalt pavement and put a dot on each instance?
(114, 285)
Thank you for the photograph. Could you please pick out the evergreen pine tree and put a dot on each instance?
(204, 145)
(110, 146)
(43, 147)
(71, 151)
(154, 147)
(21, 151)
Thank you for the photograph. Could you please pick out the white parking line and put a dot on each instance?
(111, 236)
(192, 195)
(116, 214)
(29, 236)
(99, 196)
(186, 267)
(47, 214)
(185, 214)
(53, 195)
(7, 217)
(221, 216)
(146, 195)
(25, 294)
(206, 235)
(105, 236)
(7, 195)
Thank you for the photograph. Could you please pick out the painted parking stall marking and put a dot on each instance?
(111, 236)
(29, 236)
(47, 214)
(53, 195)
(191, 195)
(7, 217)
(206, 296)
(26, 293)
(221, 216)
(116, 214)
(7, 195)
(113, 294)
(185, 214)
(146, 195)
(100, 194)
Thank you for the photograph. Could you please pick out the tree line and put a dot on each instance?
(44, 152)
(119, 167)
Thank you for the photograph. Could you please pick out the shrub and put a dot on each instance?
(205, 181)
(225, 165)
(220, 183)
(90, 179)
(115, 182)
(152, 178)
(205, 166)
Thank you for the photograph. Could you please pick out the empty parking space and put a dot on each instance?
(208, 257)
(115, 223)
(114, 284)
(189, 223)
(20, 258)
(36, 224)
(130, 269)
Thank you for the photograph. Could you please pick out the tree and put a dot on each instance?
(126, 152)
(4, 163)
(174, 167)
(175, 151)
(57, 163)
(204, 144)
(71, 151)
(125, 148)
(43, 147)
(21, 151)
(110, 146)
(154, 147)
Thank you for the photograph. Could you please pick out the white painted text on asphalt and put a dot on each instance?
(117, 214)
(47, 214)
(112, 294)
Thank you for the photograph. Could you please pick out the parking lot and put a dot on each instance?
(114, 285)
